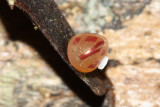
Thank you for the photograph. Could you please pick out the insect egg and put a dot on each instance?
(87, 51)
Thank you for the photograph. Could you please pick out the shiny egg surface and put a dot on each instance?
(86, 51)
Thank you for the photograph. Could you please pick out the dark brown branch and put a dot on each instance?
(49, 19)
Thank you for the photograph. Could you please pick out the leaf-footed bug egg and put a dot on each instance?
(87, 51)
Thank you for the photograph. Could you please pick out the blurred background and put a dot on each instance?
(33, 75)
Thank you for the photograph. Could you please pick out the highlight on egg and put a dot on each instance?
(87, 52)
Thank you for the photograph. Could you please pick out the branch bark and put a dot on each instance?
(50, 21)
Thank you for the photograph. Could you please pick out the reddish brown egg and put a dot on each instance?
(86, 51)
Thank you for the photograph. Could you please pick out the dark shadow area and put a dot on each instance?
(20, 27)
